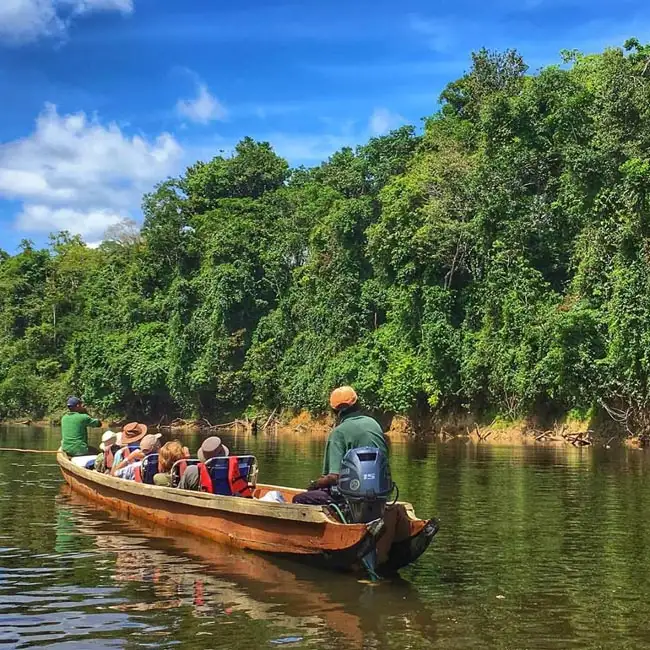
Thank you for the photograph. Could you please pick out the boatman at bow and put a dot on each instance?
(353, 430)
(74, 429)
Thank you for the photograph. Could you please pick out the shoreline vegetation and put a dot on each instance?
(575, 433)
(485, 276)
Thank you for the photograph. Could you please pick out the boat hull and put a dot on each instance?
(307, 532)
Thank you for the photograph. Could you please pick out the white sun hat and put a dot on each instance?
(108, 436)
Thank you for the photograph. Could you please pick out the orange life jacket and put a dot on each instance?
(205, 482)
(238, 484)
(137, 474)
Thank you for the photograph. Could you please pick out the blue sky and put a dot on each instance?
(103, 98)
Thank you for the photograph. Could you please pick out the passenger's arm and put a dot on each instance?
(324, 482)
(134, 456)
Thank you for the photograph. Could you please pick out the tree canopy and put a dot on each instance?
(496, 262)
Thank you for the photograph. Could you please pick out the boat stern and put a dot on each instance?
(351, 556)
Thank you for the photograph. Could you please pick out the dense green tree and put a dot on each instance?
(496, 262)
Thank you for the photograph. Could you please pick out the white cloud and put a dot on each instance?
(314, 148)
(438, 33)
(84, 6)
(383, 120)
(78, 174)
(43, 218)
(307, 147)
(204, 108)
(27, 20)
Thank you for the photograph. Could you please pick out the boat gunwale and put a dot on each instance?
(213, 502)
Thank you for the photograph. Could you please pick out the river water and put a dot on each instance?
(538, 548)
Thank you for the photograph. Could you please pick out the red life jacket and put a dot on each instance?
(177, 472)
(198, 593)
(205, 482)
(108, 458)
(137, 474)
(238, 484)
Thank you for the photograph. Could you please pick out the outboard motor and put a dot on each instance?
(365, 483)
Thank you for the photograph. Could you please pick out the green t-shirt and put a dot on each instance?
(74, 433)
(354, 431)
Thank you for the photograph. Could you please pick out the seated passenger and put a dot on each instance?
(107, 450)
(128, 439)
(169, 453)
(211, 448)
(353, 430)
(150, 444)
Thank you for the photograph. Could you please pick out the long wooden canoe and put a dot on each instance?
(251, 581)
(308, 532)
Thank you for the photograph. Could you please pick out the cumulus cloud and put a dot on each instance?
(383, 120)
(204, 108)
(46, 218)
(77, 174)
(437, 33)
(309, 148)
(82, 6)
(28, 20)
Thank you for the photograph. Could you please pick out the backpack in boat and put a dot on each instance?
(178, 471)
(100, 463)
(238, 484)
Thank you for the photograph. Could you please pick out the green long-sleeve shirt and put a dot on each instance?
(74, 433)
(354, 431)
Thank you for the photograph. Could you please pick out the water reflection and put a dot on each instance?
(539, 548)
(217, 583)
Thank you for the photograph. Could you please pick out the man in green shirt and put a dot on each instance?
(353, 430)
(74, 429)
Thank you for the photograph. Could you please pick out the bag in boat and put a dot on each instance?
(84, 461)
(275, 496)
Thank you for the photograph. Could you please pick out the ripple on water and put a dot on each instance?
(538, 548)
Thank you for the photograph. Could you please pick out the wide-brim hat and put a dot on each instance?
(211, 448)
(149, 441)
(132, 432)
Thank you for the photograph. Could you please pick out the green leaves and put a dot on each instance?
(496, 262)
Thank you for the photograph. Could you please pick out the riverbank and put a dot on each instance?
(499, 432)
(524, 431)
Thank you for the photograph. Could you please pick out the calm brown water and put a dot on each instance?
(539, 548)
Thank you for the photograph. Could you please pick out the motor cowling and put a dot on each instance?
(365, 483)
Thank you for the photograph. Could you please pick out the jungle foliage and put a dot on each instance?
(497, 262)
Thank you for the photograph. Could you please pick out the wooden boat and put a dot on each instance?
(262, 587)
(305, 532)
